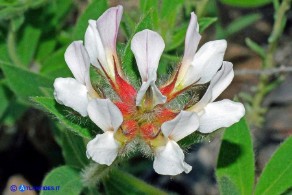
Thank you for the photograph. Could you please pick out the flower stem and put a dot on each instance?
(94, 173)
(255, 115)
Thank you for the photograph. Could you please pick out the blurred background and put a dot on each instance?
(35, 33)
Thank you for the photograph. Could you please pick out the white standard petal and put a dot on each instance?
(220, 114)
(147, 47)
(94, 45)
(103, 149)
(108, 26)
(78, 61)
(206, 63)
(71, 93)
(169, 160)
(218, 84)
(105, 114)
(192, 39)
(181, 126)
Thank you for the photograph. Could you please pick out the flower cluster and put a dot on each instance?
(147, 113)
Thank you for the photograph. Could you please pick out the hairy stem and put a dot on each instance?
(257, 111)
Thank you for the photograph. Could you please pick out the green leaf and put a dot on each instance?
(169, 11)
(10, 12)
(120, 182)
(204, 23)
(14, 111)
(4, 99)
(84, 129)
(73, 150)
(57, 10)
(128, 62)
(17, 22)
(28, 43)
(47, 91)
(10, 108)
(276, 176)
(4, 55)
(24, 83)
(93, 11)
(146, 5)
(255, 47)
(236, 160)
(237, 25)
(178, 38)
(247, 3)
(227, 186)
(67, 178)
(127, 25)
(46, 48)
(55, 66)
(7, 2)
(241, 23)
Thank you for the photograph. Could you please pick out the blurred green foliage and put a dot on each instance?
(247, 3)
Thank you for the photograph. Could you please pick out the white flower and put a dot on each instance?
(199, 67)
(75, 93)
(169, 159)
(147, 47)
(103, 149)
(224, 113)
(100, 40)
(135, 114)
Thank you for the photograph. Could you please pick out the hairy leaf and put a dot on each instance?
(25, 83)
(236, 160)
(67, 178)
(71, 120)
(276, 176)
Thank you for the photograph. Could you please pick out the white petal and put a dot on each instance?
(77, 60)
(147, 47)
(94, 46)
(192, 39)
(218, 84)
(222, 80)
(105, 114)
(169, 160)
(157, 96)
(71, 93)
(191, 43)
(220, 114)
(100, 39)
(103, 149)
(108, 26)
(181, 126)
(206, 63)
